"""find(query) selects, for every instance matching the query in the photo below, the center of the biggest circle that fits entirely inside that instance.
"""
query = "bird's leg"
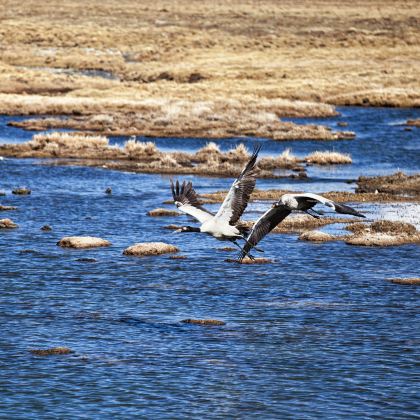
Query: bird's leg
(312, 213)
(256, 249)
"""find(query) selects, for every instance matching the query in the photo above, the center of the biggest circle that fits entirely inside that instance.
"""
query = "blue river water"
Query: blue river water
(319, 333)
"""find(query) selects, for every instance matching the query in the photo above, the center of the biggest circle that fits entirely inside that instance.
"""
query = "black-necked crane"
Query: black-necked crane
(224, 224)
(282, 208)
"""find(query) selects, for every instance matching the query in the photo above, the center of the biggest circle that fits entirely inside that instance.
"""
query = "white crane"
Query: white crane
(224, 224)
(282, 208)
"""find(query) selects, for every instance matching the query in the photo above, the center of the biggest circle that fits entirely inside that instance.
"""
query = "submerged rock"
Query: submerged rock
(88, 260)
(413, 280)
(213, 322)
(150, 248)
(178, 257)
(6, 208)
(316, 236)
(21, 191)
(108, 190)
(46, 228)
(163, 212)
(82, 242)
(7, 224)
(248, 260)
(52, 351)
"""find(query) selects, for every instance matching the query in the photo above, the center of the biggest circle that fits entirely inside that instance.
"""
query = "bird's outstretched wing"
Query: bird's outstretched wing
(265, 224)
(308, 200)
(238, 196)
(186, 200)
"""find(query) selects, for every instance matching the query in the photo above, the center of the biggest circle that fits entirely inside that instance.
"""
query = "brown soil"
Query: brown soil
(398, 183)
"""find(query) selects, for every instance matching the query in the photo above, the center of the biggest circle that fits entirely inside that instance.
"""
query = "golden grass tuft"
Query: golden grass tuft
(135, 149)
(7, 224)
(316, 236)
(82, 242)
(160, 212)
(204, 322)
(328, 158)
(411, 281)
(150, 248)
(51, 352)
(59, 140)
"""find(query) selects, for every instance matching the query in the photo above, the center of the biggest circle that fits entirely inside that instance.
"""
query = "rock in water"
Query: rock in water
(52, 351)
(203, 321)
(21, 191)
(108, 190)
(7, 224)
(6, 208)
(316, 236)
(82, 242)
(159, 212)
(46, 228)
(150, 248)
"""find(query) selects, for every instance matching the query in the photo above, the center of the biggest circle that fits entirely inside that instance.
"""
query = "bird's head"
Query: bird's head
(187, 229)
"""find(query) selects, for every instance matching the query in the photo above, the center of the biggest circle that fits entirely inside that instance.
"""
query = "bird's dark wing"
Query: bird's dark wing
(308, 200)
(238, 196)
(186, 200)
(265, 224)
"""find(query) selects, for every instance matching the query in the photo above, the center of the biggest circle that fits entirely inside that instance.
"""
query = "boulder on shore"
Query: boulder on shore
(150, 248)
(82, 242)
(7, 224)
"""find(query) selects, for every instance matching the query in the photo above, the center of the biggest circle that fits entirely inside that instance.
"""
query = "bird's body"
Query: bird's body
(224, 225)
(282, 208)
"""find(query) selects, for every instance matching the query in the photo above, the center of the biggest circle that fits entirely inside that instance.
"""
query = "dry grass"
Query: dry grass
(178, 118)
(339, 196)
(82, 242)
(383, 233)
(248, 261)
(211, 322)
(412, 280)
(414, 123)
(316, 236)
(137, 156)
(150, 248)
(163, 213)
(398, 183)
(51, 352)
(7, 224)
(206, 62)
(328, 158)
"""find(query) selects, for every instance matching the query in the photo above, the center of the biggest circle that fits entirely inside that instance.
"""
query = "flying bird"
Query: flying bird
(282, 208)
(224, 224)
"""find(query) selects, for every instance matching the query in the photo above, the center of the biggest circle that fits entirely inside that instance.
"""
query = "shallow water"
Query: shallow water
(319, 333)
